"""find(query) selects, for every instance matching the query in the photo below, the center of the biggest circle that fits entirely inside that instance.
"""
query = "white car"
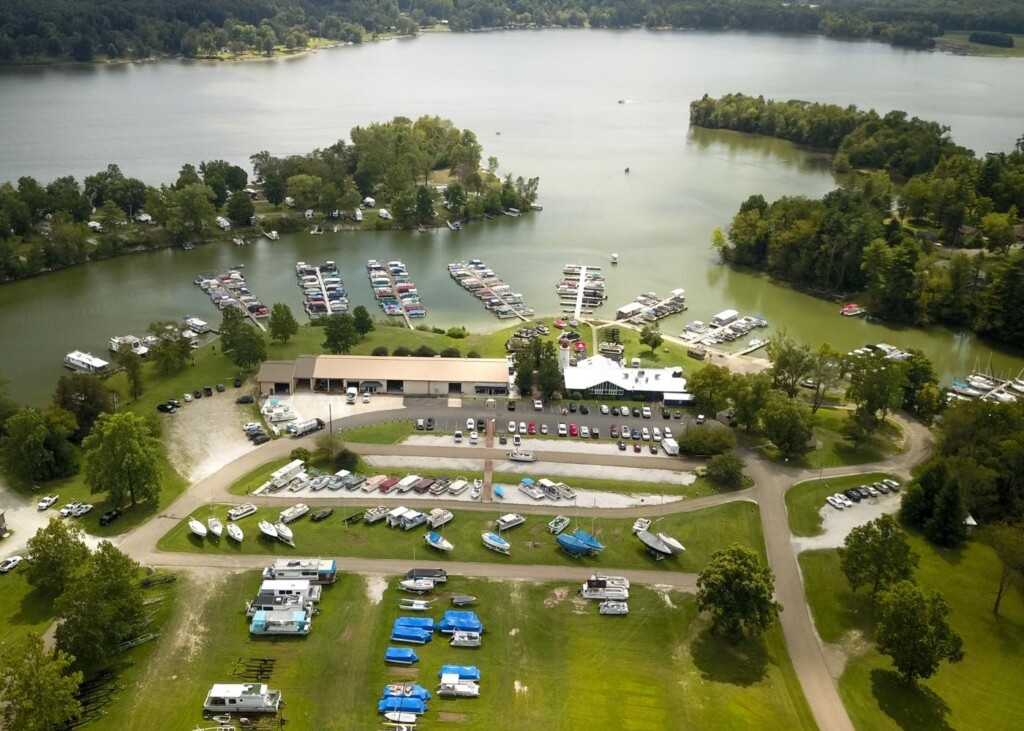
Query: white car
(48, 502)
(646, 412)
(843, 500)
(656, 434)
(187, 397)
(543, 428)
(870, 489)
(517, 441)
(70, 509)
(701, 418)
(605, 410)
(252, 426)
(538, 405)
(366, 397)
(831, 500)
(668, 433)
(522, 427)
(584, 432)
(645, 434)
(9, 564)
(892, 485)
(562, 429)
(473, 437)
(511, 427)
(470, 424)
(82, 510)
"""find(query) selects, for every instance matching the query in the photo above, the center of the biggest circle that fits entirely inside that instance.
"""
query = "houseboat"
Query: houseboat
(119, 343)
(313, 570)
(242, 698)
(286, 622)
(85, 362)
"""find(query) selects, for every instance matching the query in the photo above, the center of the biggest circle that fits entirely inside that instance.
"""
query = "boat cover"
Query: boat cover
(465, 672)
(402, 704)
(499, 491)
(425, 623)
(410, 634)
(654, 543)
(456, 620)
(583, 537)
(406, 691)
(572, 545)
(401, 655)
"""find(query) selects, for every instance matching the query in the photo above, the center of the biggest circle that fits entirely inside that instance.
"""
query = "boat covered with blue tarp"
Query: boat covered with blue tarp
(426, 623)
(462, 621)
(401, 704)
(401, 655)
(465, 672)
(572, 545)
(412, 635)
(583, 537)
(401, 690)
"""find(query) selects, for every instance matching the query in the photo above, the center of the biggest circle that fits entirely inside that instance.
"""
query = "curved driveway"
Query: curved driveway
(771, 482)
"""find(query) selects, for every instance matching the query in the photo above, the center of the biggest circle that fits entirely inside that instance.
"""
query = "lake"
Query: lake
(546, 103)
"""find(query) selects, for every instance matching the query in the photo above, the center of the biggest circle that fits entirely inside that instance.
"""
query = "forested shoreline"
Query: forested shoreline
(42, 31)
(863, 240)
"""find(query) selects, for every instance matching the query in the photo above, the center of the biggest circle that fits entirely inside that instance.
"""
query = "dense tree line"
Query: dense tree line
(40, 30)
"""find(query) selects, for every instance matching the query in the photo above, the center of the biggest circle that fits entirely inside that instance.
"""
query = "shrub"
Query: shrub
(346, 459)
(437, 330)
(451, 353)
(380, 351)
(457, 333)
(472, 354)
(402, 352)
(423, 328)
(424, 351)
(300, 453)
(703, 439)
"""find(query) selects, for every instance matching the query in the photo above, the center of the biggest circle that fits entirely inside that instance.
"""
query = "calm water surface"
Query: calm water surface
(553, 97)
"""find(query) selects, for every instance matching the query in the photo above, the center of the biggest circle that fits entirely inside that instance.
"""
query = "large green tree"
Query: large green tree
(710, 388)
(37, 691)
(737, 590)
(749, 395)
(947, 525)
(340, 334)
(787, 423)
(57, 553)
(650, 335)
(122, 458)
(282, 323)
(249, 349)
(232, 324)
(726, 470)
(912, 630)
(362, 320)
(35, 445)
(877, 555)
(101, 607)
(791, 362)
(86, 396)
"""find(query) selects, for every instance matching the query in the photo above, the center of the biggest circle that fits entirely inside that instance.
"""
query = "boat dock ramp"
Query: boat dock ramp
(725, 327)
(480, 281)
(323, 289)
(230, 290)
(649, 308)
(394, 290)
(582, 287)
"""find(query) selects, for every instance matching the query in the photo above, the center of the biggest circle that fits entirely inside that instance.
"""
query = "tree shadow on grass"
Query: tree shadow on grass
(721, 661)
(36, 607)
(910, 706)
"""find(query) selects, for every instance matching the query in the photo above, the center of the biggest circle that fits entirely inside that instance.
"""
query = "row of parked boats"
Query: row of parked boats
(322, 288)
(230, 290)
(989, 388)
(480, 280)
(394, 289)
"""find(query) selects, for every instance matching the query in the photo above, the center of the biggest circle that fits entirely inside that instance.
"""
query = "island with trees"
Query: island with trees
(425, 172)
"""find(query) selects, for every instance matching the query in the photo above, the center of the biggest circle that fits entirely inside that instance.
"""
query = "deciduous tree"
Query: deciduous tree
(650, 335)
(86, 397)
(791, 362)
(232, 324)
(35, 445)
(877, 555)
(37, 693)
(57, 553)
(122, 458)
(912, 630)
(250, 349)
(362, 321)
(340, 334)
(947, 525)
(787, 423)
(1008, 543)
(737, 590)
(710, 388)
(726, 470)
(282, 323)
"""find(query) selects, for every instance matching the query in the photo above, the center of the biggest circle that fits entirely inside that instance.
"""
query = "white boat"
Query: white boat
(375, 515)
(655, 546)
(416, 586)
(1017, 385)
(439, 516)
(234, 532)
(400, 717)
(641, 524)
(518, 455)
(414, 605)
(216, 527)
(599, 590)
(293, 513)
(267, 528)
(495, 542)
(531, 490)
(510, 520)
(451, 686)
(980, 381)
(436, 540)
(284, 533)
(197, 528)
(612, 606)
(476, 491)
(672, 543)
(241, 511)
(459, 486)
(272, 235)
(615, 258)
(465, 638)
(620, 581)
(559, 524)
(85, 362)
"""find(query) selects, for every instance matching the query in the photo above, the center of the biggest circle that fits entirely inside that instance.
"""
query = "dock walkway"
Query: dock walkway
(481, 281)
(395, 291)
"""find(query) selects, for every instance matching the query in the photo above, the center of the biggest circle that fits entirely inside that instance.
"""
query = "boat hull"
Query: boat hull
(495, 543)
(436, 541)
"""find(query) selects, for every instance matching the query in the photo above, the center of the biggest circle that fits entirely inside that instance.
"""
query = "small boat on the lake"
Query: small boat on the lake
(197, 528)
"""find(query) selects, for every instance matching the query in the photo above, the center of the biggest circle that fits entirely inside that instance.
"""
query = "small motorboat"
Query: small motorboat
(463, 600)
(272, 235)
(612, 606)
(215, 526)
(400, 717)
(416, 586)
(478, 486)
(414, 605)
(672, 543)
(465, 638)
(518, 455)
(197, 528)
(436, 540)
(641, 524)
(495, 542)
(267, 528)
(284, 533)
(615, 258)
(559, 524)
(234, 532)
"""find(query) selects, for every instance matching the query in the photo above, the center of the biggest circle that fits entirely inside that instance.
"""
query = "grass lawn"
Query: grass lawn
(804, 501)
(953, 40)
(702, 532)
(23, 609)
(982, 692)
(546, 659)
(390, 433)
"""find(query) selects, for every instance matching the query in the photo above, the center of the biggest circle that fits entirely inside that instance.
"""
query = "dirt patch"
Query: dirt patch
(521, 689)
(376, 585)
(556, 597)
(579, 605)
(534, 544)
(204, 435)
(346, 636)
(455, 717)
(352, 537)
(513, 632)
(403, 672)
(665, 592)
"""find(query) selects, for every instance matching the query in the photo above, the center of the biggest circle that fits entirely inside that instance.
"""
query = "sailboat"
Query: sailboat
(197, 528)
(216, 527)
(234, 532)
(268, 529)
(495, 542)
(672, 543)
(436, 540)
(284, 533)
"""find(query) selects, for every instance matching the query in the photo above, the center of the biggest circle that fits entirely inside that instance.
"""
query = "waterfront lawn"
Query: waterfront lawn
(805, 500)
(982, 692)
(702, 532)
(22, 608)
(953, 41)
(833, 448)
(546, 659)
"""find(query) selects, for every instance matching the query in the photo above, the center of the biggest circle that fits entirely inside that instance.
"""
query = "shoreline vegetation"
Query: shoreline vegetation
(401, 174)
(943, 247)
(34, 32)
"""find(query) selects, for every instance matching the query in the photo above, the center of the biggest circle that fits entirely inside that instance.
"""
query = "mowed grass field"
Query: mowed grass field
(548, 660)
(983, 692)
(832, 448)
(805, 500)
(702, 532)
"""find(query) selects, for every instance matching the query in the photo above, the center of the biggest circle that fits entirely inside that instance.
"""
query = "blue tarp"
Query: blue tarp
(426, 623)
(403, 705)
(399, 690)
(401, 655)
(588, 539)
(411, 634)
(572, 545)
(465, 672)
(460, 620)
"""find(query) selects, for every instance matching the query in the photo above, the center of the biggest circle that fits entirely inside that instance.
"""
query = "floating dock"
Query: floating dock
(394, 290)
(480, 281)
(230, 290)
(582, 287)
(704, 334)
(650, 308)
(323, 289)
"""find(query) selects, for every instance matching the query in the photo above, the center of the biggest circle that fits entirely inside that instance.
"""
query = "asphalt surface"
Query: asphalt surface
(771, 482)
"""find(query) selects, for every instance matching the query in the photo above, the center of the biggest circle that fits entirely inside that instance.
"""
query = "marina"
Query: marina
(581, 289)
(230, 290)
(322, 288)
(394, 290)
(480, 281)
(986, 387)
(649, 307)
(726, 326)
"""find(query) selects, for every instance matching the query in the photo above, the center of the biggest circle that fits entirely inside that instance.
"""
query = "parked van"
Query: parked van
(350, 394)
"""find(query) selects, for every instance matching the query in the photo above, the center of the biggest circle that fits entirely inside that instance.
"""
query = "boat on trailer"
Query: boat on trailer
(654, 545)
(234, 532)
(215, 526)
(436, 540)
(463, 600)
(672, 543)
(495, 542)
(267, 528)
(416, 586)
(284, 533)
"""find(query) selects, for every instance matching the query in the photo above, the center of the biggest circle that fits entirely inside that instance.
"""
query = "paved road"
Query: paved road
(771, 483)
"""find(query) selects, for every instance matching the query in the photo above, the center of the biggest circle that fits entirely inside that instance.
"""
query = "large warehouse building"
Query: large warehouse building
(409, 376)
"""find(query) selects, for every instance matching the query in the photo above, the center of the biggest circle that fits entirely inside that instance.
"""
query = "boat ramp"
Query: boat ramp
(230, 290)
(480, 281)
(323, 289)
(394, 290)
(650, 308)
(581, 289)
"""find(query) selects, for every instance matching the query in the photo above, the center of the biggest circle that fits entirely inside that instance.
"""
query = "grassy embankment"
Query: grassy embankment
(955, 41)
(546, 660)
(703, 532)
(982, 692)
(804, 501)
